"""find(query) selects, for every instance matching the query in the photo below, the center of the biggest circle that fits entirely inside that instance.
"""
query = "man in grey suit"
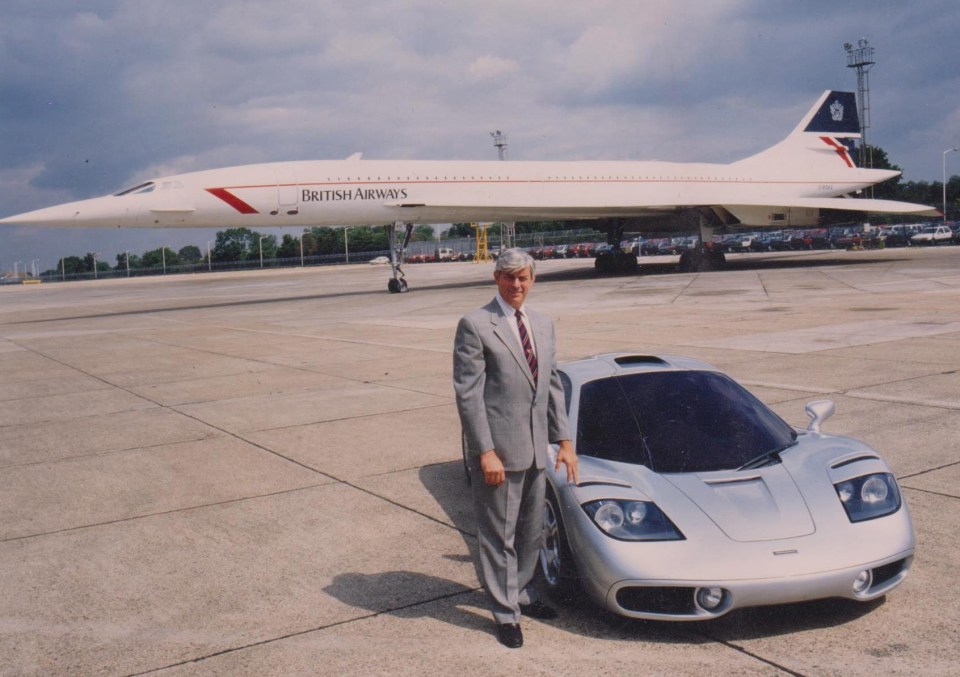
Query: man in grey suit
(511, 407)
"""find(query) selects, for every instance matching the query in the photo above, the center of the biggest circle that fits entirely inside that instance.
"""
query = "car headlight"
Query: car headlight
(869, 496)
(632, 520)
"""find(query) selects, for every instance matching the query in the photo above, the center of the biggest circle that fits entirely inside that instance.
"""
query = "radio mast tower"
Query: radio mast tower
(508, 231)
(500, 141)
(861, 58)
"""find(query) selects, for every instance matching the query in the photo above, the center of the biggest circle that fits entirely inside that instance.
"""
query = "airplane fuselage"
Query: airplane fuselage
(371, 192)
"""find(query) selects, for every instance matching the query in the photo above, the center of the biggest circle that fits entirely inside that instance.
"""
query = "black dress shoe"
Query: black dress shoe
(538, 610)
(510, 635)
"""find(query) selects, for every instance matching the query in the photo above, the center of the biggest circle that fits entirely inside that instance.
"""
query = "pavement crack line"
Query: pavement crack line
(300, 633)
(683, 291)
(172, 511)
(235, 436)
(751, 654)
(924, 472)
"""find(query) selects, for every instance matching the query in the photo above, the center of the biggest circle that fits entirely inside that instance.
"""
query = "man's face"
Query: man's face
(514, 287)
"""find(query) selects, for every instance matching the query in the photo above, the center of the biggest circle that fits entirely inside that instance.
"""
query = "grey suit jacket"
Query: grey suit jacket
(500, 406)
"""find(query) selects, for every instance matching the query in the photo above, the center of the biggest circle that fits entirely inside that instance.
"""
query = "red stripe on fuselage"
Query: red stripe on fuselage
(840, 148)
(232, 200)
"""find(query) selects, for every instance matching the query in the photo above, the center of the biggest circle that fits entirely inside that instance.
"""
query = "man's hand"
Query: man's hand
(492, 467)
(568, 457)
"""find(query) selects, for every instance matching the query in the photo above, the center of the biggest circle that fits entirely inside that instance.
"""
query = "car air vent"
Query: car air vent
(865, 457)
(604, 483)
(888, 571)
(625, 360)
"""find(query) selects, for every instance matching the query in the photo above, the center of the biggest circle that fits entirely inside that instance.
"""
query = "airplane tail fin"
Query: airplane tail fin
(835, 113)
(823, 138)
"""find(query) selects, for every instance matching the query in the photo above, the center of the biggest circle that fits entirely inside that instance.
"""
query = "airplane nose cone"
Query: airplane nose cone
(62, 215)
(101, 212)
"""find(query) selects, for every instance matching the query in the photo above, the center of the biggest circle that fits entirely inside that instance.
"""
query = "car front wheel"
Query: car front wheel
(556, 560)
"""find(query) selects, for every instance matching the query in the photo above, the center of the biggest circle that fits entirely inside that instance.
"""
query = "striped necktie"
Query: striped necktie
(527, 345)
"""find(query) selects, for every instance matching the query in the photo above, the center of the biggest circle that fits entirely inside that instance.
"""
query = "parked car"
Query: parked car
(695, 499)
(379, 260)
(765, 241)
(671, 245)
(811, 238)
(651, 246)
(847, 237)
(933, 235)
(742, 242)
(781, 243)
(893, 236)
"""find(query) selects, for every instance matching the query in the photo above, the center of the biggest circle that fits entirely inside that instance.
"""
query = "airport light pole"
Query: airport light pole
(35, 268)
(948, 150)
(261, 249)
(346, 244)
(94, 265)
(127, 260)
(209, 264)
(301, 249)
(163, 257)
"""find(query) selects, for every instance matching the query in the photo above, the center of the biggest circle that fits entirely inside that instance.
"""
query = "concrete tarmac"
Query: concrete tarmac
(259, 473)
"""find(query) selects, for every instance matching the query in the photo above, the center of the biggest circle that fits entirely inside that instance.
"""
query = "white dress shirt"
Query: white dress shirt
(510, 312)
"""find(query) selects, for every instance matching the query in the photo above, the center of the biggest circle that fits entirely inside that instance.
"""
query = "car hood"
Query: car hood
(764, 504)
(757, 505)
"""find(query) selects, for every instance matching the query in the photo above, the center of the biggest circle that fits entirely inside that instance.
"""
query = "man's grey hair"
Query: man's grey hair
(514, 260)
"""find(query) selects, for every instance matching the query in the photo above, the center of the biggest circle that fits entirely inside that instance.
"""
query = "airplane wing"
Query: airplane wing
(527, 212)
(868, 205)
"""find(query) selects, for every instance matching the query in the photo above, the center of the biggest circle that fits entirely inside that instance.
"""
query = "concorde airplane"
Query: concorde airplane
(786, 185)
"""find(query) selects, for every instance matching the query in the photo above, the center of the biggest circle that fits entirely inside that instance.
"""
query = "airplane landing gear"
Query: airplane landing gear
(616, 262)
(699, 261)
(396, 284)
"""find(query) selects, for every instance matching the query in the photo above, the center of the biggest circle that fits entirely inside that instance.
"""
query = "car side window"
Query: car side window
(606, 426)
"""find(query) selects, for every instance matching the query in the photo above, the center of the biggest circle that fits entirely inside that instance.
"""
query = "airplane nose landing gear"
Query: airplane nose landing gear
(396, 284)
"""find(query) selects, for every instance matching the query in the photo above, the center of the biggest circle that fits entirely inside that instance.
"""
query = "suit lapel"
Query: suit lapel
(504, 332)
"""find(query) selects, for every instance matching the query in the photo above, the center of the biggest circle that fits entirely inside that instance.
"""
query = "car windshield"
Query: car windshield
(677, 421)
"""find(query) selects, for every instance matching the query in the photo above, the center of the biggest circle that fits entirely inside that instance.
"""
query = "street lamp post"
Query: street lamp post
(346, 244)
(127, 258)
(209, 264)
(35, 268)
(163, 256)
(301, 250)
(94, 265)
(948, 150)
(261, 249)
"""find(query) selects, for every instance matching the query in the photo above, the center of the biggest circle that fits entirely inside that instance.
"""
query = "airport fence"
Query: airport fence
(464, 247)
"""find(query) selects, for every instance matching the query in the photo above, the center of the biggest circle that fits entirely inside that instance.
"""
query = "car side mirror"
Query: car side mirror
(819, 411)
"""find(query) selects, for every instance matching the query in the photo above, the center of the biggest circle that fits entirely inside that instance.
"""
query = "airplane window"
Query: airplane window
(139, 188)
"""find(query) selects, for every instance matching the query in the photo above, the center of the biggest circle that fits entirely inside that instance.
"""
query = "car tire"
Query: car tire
(557, 567)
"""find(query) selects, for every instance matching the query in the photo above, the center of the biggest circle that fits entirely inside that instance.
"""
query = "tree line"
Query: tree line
(236, 245)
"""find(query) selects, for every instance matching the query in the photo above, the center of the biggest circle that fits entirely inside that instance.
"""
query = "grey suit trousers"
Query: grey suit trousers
(510, 531)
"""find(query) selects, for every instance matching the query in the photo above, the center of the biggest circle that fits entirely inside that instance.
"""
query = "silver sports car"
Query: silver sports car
(695, 498)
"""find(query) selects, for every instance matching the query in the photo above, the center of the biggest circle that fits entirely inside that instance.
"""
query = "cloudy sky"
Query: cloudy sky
(98, 94)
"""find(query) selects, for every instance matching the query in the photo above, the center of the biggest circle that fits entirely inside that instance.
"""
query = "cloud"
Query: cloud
(487, 68)
(100, 95)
